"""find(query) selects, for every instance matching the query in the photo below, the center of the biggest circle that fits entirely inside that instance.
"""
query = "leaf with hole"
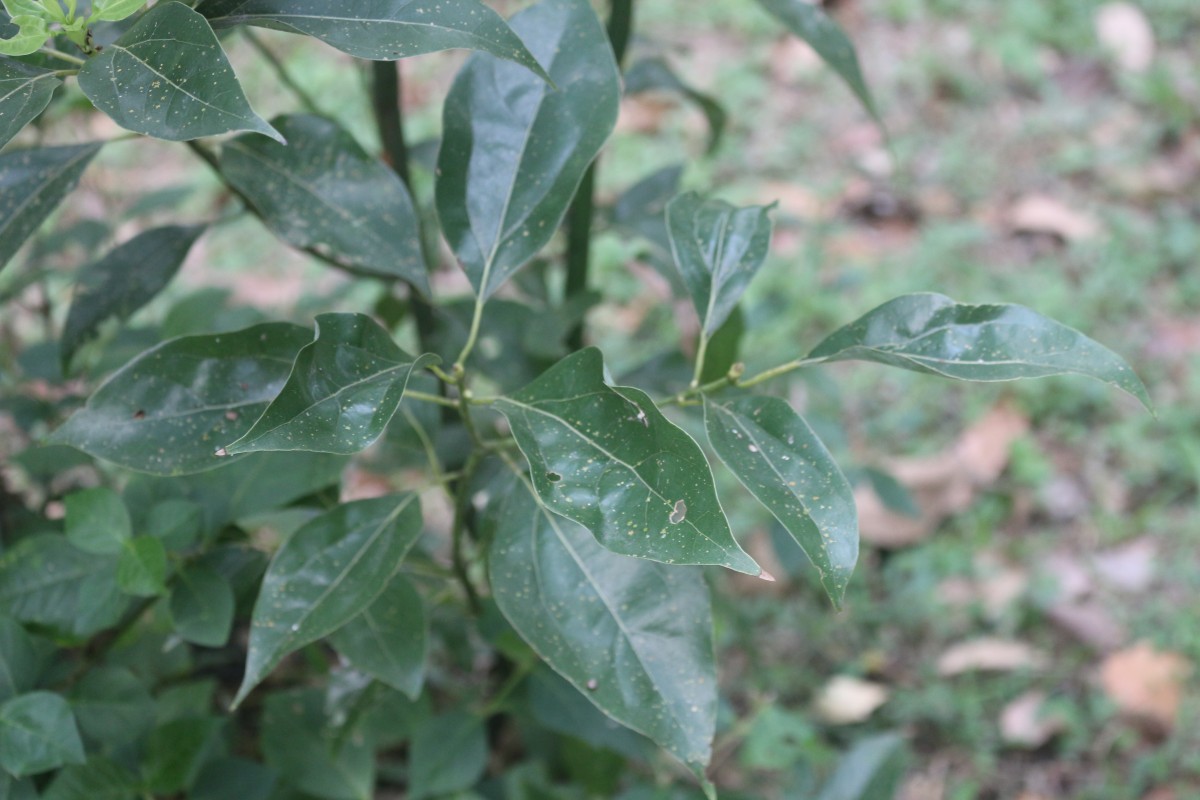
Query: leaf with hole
(321, 192)
(778, 458)
(344, 389)
(32, 184)
(607, 458)
(25, 91)
(168, 77)
(634, 637)
(810, 22)
(167, 411)
(124, 280)
(388, 640)
(325, 574)
(515, 148)
(382, 30)
(718, 248)
(933, 334)
(32, 33)
(38, 734)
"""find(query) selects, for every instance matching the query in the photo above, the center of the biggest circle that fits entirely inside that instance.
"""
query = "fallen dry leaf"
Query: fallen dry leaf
(1128, 568)
(1036, 213)
(989, 654)
(1024, 722)
(845, 700)
(758, 545)
(1090, 622)
(942, 484)
(1123, 30)
(1146, 684)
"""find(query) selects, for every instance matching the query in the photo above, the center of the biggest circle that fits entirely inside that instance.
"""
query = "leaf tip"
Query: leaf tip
(766, 576)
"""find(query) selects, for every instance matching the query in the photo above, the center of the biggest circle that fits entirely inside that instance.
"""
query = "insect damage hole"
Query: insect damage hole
(679, 514)
(553, 477)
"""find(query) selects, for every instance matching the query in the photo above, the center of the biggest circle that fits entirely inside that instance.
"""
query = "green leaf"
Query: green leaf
(168, 77)
(633, 637)
(388, 640)
(344, 389)
(933, 334)
(382, 30)
(323, 193)
(47, 581)
(177, 523)
(298, 743)
(125, 280)
(37, 734)
(228, 778)
(872, 768)
(13, 789)
(810, 22)
(448, 755)
(142, 568)
(113, 707)
(98, 779)
(32, 184)
(515, 148)
(17, 8)
(778, 458)
(327, 573)
(718, 248)
(19, 660)
(167, 411)
(32, 33)
(97, 521)
(114, 10)
(25, 91)
(202, 606)
(608, 459)
(178, 750)
(654, 74)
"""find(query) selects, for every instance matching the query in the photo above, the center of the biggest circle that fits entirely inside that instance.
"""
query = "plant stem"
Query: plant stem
(462, 507)
(389, 122)
(775, 372)
(472, 335)
(519, 673)
(701, 352)
(734, 378)
(431, 398)
(281, 72)
(70, 59)
(581, 214)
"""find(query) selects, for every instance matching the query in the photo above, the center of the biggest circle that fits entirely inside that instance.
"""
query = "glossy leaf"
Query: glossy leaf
(45, 580)
(718, 248)
(608, 459)
(97, 521)
(167, 411)
(323, 193)
(778, 458)
(810, 22)
(388, 640)
(327, 573)
(654, 74)
(19, 660)
(25, 91)
(142, 568)
(633, 637)
(32, 184)
(113, 707)
(297, 742)
(344, 389)
(125, 280)
(202, 606)
(515, 148)
(449, 753)
(168, 77)
(933, 334)
(382, 30)
(37, 734)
